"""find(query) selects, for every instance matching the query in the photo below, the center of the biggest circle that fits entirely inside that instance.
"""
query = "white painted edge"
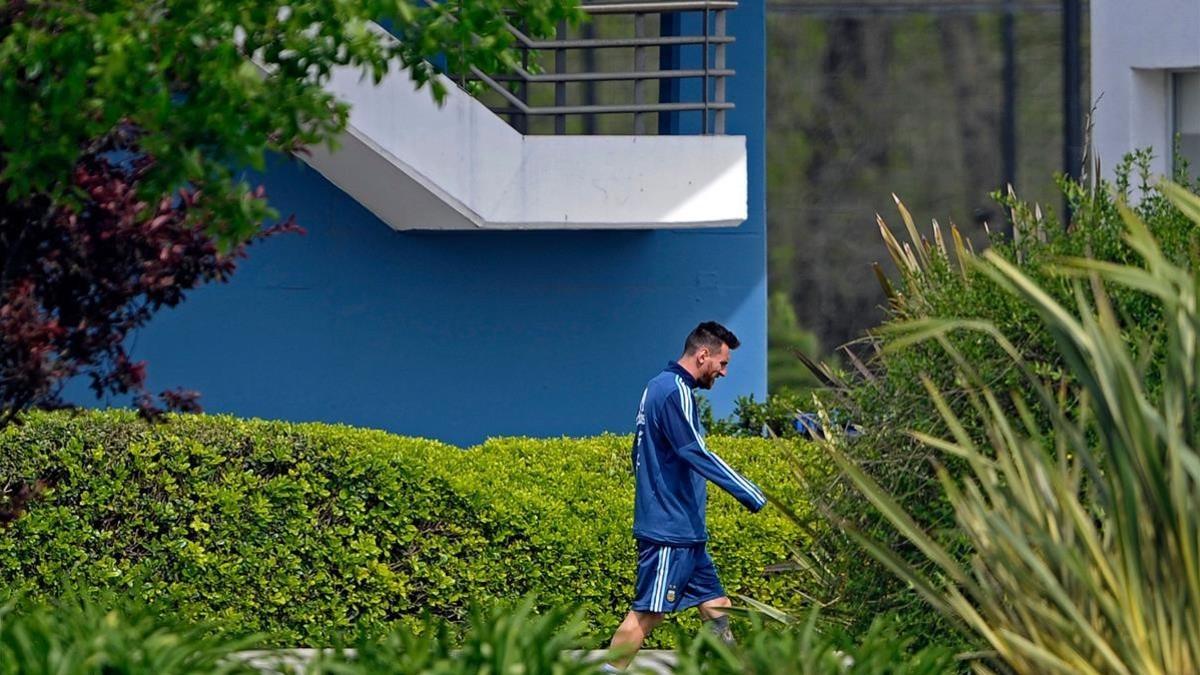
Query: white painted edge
(488, 176)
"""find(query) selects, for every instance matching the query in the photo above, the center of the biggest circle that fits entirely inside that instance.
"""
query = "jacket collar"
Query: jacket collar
(674, 367)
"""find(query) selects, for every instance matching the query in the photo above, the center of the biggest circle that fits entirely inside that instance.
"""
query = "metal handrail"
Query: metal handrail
(656, 7)
(602, 43)
(614, 75)
(712, 40)
(619, 108)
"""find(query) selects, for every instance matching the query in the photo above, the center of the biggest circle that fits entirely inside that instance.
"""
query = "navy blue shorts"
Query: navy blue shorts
(674, 578)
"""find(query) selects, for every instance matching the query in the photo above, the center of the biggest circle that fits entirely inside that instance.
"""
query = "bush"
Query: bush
(113, 636)
(76, 637)
(504, 639)
(883, 649)
(775, 416)
(1081, 529)
(304, 531)
(937, 282)
(118, 636)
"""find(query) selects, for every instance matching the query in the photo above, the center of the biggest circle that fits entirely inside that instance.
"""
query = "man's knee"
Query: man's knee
(648, 620)
(716, 607)
(639, 624)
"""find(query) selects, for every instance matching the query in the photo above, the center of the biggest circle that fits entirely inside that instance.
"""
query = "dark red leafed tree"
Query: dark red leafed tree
(78, 279)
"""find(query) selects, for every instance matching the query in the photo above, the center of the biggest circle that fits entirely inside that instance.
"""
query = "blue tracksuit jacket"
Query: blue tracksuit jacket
(672, 465)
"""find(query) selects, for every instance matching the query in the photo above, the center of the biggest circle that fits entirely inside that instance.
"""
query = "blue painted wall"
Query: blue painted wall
(461, 336)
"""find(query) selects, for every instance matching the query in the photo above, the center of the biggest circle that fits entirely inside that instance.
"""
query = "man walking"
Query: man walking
(672, 466)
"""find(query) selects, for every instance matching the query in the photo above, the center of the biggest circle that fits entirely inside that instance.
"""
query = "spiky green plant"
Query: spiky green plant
(795, 647)
(500, 641)
(1084, 534)
(76, 637)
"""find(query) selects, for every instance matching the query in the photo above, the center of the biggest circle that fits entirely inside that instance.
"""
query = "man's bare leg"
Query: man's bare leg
(631, 634)
(716, 618)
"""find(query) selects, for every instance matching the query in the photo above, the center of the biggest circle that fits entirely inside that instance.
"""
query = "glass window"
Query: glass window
(1186, 116)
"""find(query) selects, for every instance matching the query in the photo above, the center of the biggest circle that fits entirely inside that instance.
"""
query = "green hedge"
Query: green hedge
(308, 531)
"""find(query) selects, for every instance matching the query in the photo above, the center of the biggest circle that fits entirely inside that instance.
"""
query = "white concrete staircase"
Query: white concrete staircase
(459, 166)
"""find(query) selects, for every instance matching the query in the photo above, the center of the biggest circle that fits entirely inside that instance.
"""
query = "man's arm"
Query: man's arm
(678, 423)
(638, 432)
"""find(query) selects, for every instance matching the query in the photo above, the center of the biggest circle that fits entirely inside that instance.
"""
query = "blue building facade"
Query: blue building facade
(464, 335)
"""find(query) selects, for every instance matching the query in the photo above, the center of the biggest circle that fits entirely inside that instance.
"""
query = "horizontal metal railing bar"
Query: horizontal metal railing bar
(604, 76)
(847, 9)
(520, 109)
(658, 7)
(584, 4)
(713, 4)
(611, 109)
(500, 89)
(602, 43)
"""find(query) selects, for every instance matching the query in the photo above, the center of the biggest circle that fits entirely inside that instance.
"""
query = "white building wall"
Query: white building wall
(1136, 45)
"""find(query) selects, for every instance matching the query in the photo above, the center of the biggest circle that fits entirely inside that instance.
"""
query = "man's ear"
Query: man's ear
(702, 354)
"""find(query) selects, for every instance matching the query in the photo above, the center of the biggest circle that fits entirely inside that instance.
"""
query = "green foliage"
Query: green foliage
(860, 109)
(304, 531)
(938, 279)
(502, 640)
(1081, 528)
(809, 650)
(110, 636)
(772, 418)
(751, 418)
(122, 637)
(181, 74)
(787, 374)
(74, 637)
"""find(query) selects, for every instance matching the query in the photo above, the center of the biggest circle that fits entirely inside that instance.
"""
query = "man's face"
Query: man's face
(713, 364)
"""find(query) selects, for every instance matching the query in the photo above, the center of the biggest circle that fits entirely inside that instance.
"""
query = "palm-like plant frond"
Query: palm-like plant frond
(1084, 535)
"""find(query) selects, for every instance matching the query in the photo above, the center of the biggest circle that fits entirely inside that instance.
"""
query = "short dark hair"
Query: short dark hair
(712, 335)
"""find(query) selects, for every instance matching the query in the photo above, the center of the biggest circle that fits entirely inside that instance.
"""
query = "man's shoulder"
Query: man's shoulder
(664, 385)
